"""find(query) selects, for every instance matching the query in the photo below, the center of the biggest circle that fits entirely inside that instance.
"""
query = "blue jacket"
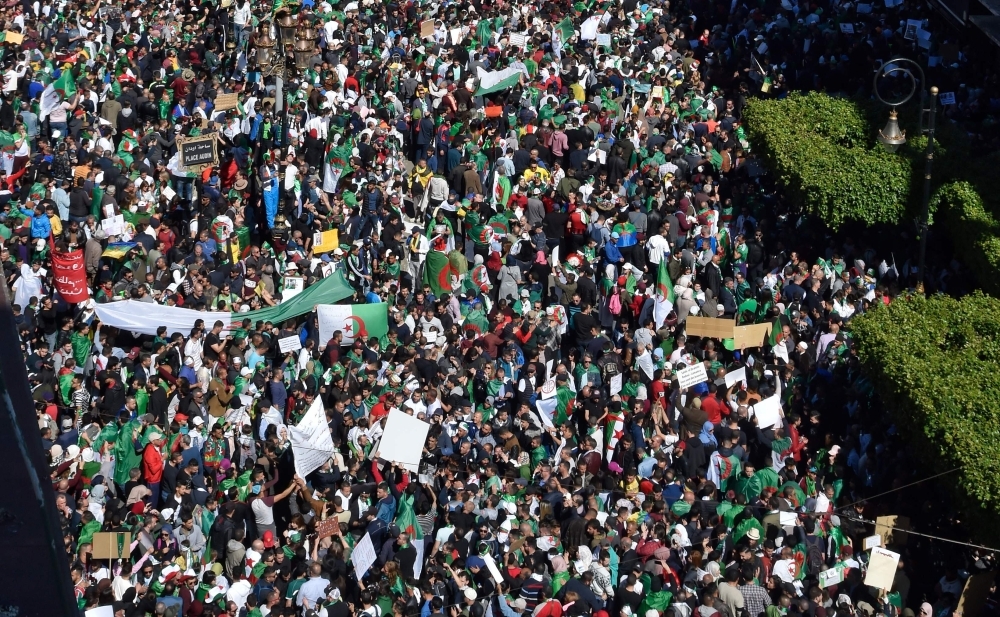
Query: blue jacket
(611, 253)
(40, 225)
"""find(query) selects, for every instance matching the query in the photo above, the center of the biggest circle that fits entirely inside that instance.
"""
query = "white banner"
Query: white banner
(146, 317)
(312, 444)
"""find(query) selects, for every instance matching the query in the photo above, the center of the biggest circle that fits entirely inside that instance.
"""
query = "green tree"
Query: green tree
(822, 150)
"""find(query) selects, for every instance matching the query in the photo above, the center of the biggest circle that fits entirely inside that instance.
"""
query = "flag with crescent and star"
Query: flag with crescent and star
(354, 321)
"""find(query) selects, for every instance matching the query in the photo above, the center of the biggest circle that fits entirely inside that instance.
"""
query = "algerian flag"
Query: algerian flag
(664, 294)
(495, 81)
(354, 321)
(55, 93)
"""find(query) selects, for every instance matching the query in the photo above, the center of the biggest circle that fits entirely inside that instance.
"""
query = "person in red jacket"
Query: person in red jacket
(152, 466)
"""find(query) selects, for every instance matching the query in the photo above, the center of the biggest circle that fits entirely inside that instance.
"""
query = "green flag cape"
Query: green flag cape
(406, 519)
(126, 458)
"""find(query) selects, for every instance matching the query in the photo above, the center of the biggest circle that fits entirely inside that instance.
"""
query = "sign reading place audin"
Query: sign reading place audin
(199, 151)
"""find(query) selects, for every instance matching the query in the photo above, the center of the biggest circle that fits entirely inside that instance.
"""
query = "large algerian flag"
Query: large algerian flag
(664, 294)
(501, 190)
(55, 93)
(355, 321)
(495, 81)
(145, 318)
(613, 431)
(438, 272)
(128, 143)
(406, 518)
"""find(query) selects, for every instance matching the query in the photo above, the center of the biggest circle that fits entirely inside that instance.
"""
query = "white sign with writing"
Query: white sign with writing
(692, 375)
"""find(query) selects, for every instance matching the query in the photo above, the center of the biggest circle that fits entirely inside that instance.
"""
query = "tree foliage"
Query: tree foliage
(974, 230)
(822, 150)
(936, 363)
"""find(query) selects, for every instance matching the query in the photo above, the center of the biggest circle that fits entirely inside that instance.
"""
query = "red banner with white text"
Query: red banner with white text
(70, 276)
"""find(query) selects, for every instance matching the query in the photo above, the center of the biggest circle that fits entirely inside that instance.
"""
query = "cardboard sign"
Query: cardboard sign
(882, 568)
(709, 327)
(975, 593)
(327, 528)
(750, 336)
(426, 28)
(892, 529)
(289, 344)
(947, 98)
(692, 375)
(14, 38)
(873, 542)
(363, 556)
(227, 101)
(110, 545)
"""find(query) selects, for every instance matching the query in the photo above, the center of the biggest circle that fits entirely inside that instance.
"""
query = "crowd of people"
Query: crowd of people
(540, 195)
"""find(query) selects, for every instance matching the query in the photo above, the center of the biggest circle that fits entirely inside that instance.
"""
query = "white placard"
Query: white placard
(616, 384)
(456, 35)
(363, 556)
(873, 542)
(289, 343)
(403, 439)
(833, 576)
(517, 40)
(114, 226)
(294, 285)
(736, 376)
(787, 519)
(882, 568)
(847, 28)
(549, 388)
(418, 563)
(311, 442)
(781, 352)
(604, 39)
(947, 98)
(491, 565)
(692, 375)
(768, 412)
(169, 193)
(100, 611)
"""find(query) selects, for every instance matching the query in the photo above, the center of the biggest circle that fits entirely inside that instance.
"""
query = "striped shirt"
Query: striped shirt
(755, 599)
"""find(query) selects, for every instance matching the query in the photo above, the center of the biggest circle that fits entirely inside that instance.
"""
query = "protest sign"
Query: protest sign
(227, 101)
(363, 556)
(325, 241)
(830, 577)
(892, 529)
(768, 412)
(709, 327)
(739, 375)
(750, 336)
(403, 439)
(616, 384)
(881, 568)
(692, 375)
(289, 344)
(70, 276)
(312, 444)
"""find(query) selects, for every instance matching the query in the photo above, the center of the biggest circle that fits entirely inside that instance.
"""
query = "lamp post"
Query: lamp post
(891, 137)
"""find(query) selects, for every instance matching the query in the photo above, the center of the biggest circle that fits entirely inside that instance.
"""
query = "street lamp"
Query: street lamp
(891, 137)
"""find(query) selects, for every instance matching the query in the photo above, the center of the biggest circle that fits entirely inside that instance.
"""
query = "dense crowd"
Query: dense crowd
(533, 199)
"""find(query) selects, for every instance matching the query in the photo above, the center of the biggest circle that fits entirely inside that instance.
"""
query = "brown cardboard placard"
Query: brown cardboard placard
(14, 38)
(426, 28)
(892, 529)
(327, 528)
(110, 545)
(975, 593)
(750, 336)
(227, 101)
(710, 327)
